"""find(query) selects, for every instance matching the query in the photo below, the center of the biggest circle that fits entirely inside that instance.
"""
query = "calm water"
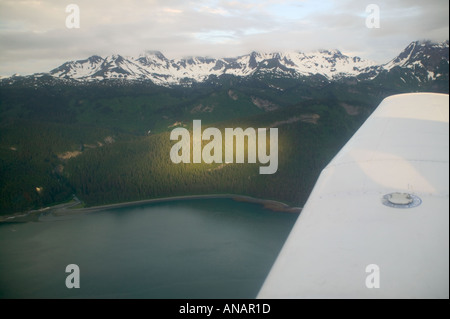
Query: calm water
(209, 248)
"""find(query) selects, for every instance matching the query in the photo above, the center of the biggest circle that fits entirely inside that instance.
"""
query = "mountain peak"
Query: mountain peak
(424, 54)
(95, 58)
(331, 52)
(153, 53)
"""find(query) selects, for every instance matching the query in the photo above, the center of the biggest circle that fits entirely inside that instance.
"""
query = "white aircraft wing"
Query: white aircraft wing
(376, 224)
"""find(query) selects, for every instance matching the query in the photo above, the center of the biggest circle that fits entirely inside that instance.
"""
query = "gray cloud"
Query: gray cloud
(33, 36)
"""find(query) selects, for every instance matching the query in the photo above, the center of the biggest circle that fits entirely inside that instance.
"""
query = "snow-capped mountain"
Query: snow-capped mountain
(419, 62)
(427, 60)
(156, 67)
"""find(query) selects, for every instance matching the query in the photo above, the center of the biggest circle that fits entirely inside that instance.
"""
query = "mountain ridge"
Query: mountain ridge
(428, 61)
(156, 67)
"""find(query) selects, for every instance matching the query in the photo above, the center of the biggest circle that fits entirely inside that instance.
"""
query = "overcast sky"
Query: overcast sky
(34, 36)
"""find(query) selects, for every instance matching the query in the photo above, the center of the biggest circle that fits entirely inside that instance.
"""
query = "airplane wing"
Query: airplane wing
(376, 224)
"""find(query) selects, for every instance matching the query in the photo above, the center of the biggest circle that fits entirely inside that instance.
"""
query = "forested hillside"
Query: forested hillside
(109, 141)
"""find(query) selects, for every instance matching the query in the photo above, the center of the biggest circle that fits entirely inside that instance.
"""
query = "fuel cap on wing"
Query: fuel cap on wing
(401, 200)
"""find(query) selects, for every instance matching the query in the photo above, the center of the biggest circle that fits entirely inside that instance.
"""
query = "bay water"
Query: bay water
(193, 248)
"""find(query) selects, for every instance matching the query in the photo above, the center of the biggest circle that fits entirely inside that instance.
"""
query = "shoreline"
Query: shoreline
(66, 208)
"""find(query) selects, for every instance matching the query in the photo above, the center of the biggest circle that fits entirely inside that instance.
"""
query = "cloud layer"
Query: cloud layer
(34, 38)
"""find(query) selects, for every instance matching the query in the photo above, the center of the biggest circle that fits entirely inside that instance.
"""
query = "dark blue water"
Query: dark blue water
(208, 248)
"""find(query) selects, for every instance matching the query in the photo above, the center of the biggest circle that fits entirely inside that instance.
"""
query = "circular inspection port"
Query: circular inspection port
(401, 200)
